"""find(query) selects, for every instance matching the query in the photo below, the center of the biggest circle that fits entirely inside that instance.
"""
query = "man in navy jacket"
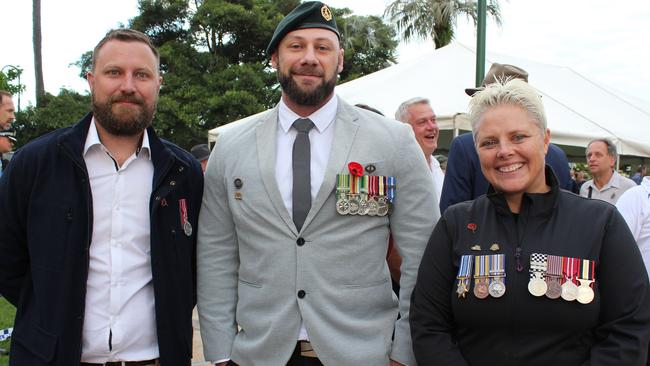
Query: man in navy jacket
(98, 237)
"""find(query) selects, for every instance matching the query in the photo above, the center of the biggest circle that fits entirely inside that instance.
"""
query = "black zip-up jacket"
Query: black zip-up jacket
(519, 328)
(45, 235)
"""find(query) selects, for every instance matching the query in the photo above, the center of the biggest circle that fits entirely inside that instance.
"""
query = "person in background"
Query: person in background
(607, 184)
(418, 113)
(98, 236)
(641, 171)
(7, 141)
(201, 153)
(463, 178)
(7, 110)
(294, 225)
(529, 274)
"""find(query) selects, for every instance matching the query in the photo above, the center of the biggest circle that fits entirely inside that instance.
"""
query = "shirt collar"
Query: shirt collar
(92, 139)
(322, 118)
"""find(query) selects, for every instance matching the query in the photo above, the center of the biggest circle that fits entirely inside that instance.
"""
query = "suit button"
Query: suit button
(300, 242)
(301, 294)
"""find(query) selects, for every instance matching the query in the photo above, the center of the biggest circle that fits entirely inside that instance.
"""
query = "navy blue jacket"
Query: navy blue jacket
(465, 181)
(45, 235)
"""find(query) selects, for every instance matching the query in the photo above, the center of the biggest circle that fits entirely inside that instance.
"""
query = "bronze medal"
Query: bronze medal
(481, 288)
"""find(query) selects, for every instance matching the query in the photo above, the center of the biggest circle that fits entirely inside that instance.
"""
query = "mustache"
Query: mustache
(127, 98)
(307, 70)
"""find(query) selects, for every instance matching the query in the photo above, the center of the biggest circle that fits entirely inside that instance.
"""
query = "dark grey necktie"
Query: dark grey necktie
(301, 172)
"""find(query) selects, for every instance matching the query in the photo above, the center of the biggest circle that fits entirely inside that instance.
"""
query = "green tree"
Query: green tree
(57, 111)
(435, 18)
(9, 76)
(369, 44)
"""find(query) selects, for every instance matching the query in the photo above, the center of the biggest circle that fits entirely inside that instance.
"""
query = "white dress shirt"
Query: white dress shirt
(320, 139)
(438, 176)
(119, 323)
(634, 205)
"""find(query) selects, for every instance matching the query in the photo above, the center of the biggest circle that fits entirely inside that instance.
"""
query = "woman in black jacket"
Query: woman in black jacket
(528, 274)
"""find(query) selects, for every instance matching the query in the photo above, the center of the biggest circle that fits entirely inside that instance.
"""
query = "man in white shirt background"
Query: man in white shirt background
(418, 113)
(607, 184)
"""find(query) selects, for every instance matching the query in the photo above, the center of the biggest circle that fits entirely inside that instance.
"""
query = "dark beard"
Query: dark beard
(307, 98)
(125, 123)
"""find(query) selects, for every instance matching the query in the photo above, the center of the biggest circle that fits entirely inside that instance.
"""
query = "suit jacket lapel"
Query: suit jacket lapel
(266, 140)
(345, 130)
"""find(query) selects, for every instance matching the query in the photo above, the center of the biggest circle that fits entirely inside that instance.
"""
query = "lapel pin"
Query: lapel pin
(475, 247)
(238, 195)
(238, 183)
(495, 247)
(472, 227)
(370, 168)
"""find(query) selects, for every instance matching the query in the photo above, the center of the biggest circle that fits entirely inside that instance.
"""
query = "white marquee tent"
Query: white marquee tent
(578, 109)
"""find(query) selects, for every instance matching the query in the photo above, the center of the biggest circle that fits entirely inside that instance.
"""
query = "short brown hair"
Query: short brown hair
(125, 35)
(4, 93)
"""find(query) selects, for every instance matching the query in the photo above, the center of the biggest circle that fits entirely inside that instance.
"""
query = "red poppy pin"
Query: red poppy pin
(471, 226)
(355, 168)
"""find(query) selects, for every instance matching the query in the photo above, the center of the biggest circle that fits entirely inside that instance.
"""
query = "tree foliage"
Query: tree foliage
(9, 79)
(435, 18)
(56, 111)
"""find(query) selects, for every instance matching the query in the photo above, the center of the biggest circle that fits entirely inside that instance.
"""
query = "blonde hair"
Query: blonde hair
(514, 92)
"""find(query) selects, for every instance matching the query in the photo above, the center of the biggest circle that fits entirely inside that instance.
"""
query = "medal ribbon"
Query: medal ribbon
(364, 185)
(354, 186)
(391, 189)
(382, 185)
(538, 265)
(497, 265)
(587, 269)
(465, 269)
(570, 269)
(481, 265)
(371, 186)
(182, 205)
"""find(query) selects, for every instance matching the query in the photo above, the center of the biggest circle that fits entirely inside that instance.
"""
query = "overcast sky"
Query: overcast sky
(602, 40)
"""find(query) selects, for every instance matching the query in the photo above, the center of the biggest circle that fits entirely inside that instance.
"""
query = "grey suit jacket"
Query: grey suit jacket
(250, 267)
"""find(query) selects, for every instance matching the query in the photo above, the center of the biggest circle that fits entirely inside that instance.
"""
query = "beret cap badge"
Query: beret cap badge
(326, 13)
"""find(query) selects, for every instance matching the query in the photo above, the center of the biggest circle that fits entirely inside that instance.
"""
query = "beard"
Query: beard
(306, 97)
(124, 121)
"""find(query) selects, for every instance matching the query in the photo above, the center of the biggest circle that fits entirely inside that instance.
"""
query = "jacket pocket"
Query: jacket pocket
(36, 340)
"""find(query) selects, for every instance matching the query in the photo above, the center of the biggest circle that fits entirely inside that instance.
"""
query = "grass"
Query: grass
(7, 313)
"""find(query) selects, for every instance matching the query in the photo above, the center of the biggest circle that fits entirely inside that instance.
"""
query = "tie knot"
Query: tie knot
(303, 125)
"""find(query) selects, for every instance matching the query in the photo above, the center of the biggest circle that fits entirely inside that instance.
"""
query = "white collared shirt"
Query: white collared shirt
(320, 140)
(438, 176)
(611, 191)
(634, 205)
(119, 290)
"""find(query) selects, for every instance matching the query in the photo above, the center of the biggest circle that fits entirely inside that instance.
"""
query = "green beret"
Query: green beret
(311, 14)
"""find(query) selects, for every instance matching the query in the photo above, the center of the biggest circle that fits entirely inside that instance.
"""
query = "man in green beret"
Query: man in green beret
(297, 209)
